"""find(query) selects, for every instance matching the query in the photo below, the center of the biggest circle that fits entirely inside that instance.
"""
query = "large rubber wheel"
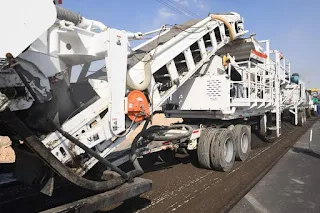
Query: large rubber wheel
(263, 126)
(242, 138)
(223, 151)
(293, 119)
(304, 117)
(301, 118)
(203, 149)
(308, 112)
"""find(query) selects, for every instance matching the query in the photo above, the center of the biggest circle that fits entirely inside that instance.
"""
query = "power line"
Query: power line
(179, 5)
(174, 9)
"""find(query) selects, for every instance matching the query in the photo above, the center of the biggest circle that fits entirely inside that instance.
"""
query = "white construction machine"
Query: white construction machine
(296, 102)
(203, 71)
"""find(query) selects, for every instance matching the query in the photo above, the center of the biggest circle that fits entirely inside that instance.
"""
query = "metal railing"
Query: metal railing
(257, 83)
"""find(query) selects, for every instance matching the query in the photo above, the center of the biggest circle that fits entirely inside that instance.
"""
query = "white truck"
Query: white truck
(203, 71)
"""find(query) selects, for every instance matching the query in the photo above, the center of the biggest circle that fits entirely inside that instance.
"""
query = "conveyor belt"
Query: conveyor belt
(140, 53)
(175, 30)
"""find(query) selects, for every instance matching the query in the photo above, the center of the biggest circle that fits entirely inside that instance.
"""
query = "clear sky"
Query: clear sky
(292, 26)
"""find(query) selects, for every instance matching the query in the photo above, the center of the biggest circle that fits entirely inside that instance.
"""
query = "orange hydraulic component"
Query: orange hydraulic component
(138, 108)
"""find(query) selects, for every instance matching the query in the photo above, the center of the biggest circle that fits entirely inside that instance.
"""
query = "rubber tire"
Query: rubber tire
(304, 117)
(217, 158)
(238, 131)
(301, 120)
(308, 112)
(293, 119)
(262, 127)
(203, 149)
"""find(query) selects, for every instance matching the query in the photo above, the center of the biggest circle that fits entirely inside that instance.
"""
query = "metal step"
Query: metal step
(273, 128)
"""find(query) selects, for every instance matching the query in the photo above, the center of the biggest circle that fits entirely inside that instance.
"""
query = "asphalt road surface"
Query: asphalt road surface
(179, 185)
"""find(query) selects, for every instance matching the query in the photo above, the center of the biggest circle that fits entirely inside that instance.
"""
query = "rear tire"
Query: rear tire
(222, 151)
(203, 149)
(300, 119)
(263, 126)
(242, 138)
(308, 112)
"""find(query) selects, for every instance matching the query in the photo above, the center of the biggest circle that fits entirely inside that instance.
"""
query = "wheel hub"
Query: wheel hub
(244, 143)
(228, 150)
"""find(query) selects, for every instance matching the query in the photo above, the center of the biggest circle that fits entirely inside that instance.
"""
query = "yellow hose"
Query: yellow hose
(225, 60)
(228, 25)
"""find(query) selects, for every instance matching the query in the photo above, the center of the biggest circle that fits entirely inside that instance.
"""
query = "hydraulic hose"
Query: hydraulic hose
(150, 135)
(91, 152)
(134, 145)
(67, 15)
(77, 19)
(228, 25)
(147, 76)
(12, 121)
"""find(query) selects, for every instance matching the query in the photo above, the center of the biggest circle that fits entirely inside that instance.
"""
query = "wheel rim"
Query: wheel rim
(228, 150)
(244, 143)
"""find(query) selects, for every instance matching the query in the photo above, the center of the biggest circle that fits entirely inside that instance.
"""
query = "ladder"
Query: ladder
(278, 101)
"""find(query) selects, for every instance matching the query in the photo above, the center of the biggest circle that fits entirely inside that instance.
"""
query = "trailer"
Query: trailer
(297, 103)
(314, 93)
(205, 71)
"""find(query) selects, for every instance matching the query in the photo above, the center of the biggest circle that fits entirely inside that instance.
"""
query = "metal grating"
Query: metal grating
(214, 88)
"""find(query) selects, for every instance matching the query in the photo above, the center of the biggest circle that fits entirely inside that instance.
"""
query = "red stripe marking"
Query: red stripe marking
(166, 142)
(262, 55)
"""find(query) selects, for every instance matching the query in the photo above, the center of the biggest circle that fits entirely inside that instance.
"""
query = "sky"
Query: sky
(292, 26)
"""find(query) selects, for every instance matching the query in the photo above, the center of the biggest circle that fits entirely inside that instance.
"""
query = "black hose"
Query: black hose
(102, 160)
(150, 135)
(134, 145)
(67, 15)
(11, 120)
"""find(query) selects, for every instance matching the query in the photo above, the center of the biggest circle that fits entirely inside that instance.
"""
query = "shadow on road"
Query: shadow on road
(306, 152)
(126, 206)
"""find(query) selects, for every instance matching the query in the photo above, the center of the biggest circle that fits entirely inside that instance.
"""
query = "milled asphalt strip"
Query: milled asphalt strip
(174, 193)
(247, 189)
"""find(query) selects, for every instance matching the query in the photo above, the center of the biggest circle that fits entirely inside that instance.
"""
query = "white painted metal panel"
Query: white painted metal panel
(203, 93)
(23, 22)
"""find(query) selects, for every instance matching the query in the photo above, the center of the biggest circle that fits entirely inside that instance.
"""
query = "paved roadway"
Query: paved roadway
(293, 185)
